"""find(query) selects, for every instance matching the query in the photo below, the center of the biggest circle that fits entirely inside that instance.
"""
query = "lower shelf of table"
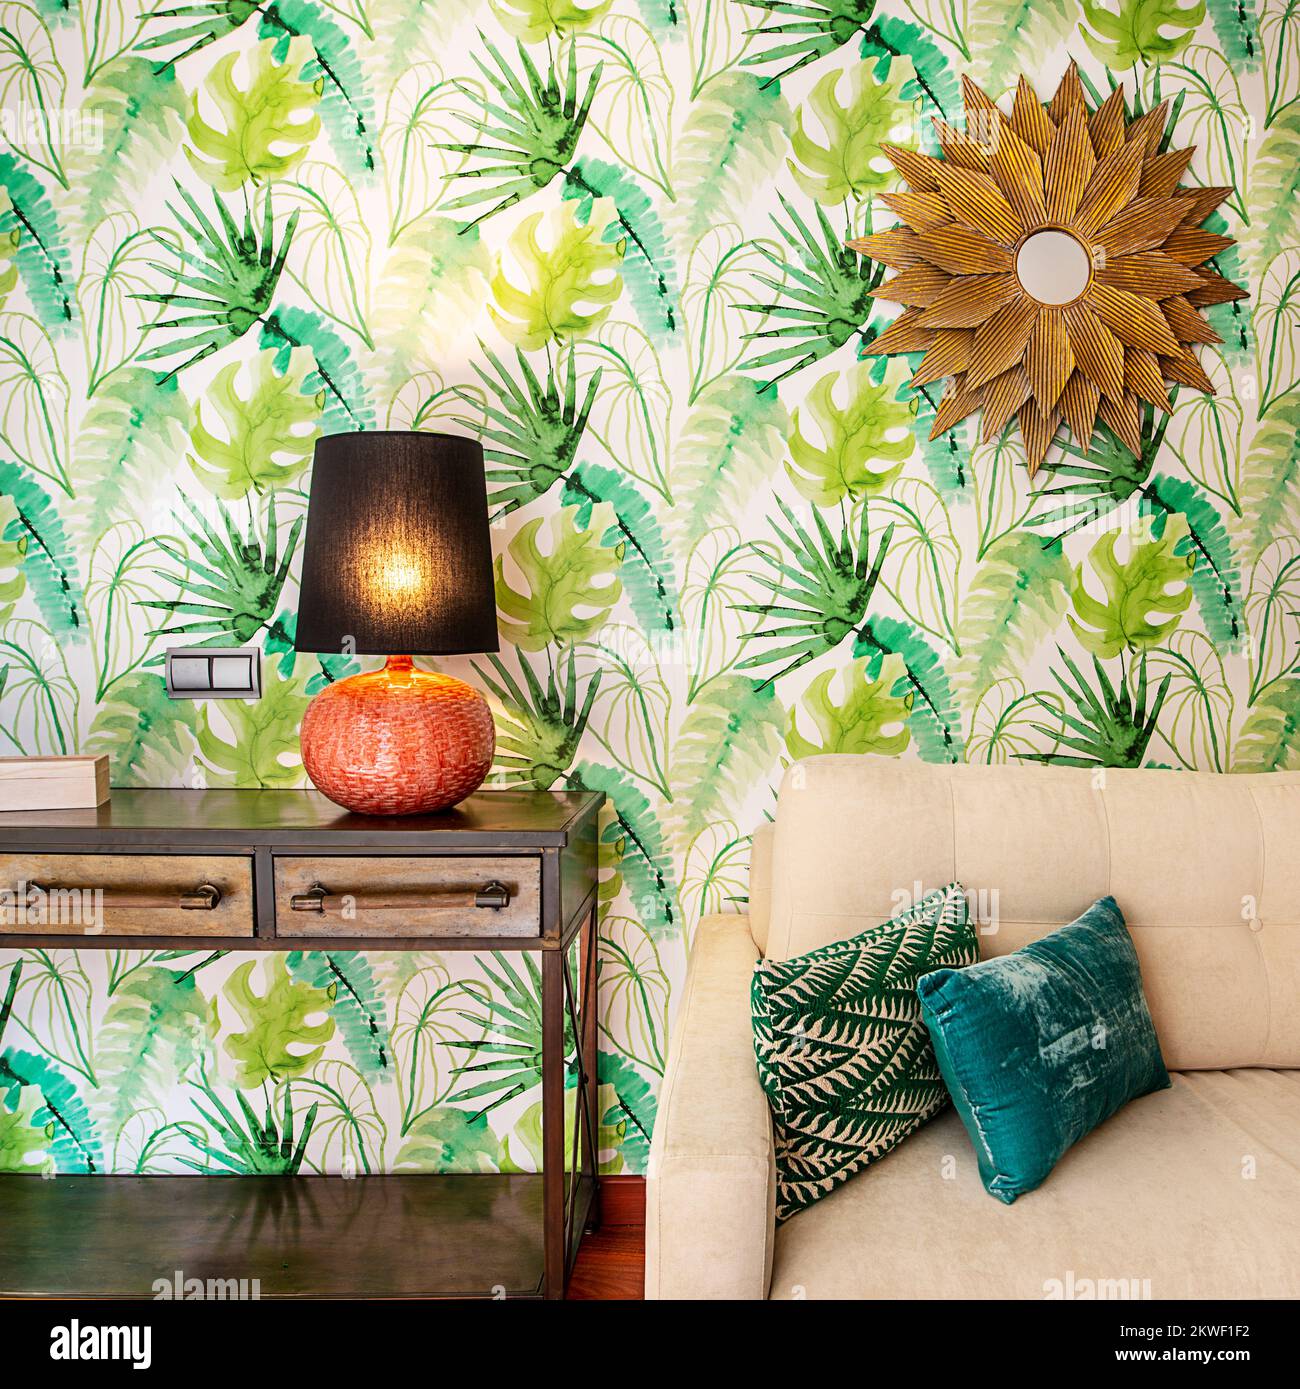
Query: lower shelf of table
(476, 1235)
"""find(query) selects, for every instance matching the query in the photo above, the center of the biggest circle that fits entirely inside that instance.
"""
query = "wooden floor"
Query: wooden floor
(611, 1261)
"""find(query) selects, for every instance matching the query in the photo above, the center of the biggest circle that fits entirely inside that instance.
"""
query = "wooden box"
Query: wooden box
(53, 783)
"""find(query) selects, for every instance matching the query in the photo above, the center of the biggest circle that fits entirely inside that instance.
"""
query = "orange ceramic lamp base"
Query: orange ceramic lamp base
(398, 741)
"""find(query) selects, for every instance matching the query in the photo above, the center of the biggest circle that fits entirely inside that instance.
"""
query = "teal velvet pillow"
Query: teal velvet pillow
(841, 1049)
(1039, 1047)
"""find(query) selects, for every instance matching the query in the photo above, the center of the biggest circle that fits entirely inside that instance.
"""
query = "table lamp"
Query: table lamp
(397, 562)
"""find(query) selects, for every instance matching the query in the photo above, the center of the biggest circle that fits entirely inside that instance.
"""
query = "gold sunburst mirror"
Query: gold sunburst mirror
(1050, 266)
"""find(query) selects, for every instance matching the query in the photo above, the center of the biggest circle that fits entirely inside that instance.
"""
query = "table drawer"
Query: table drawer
(403, 897)
(126, 895)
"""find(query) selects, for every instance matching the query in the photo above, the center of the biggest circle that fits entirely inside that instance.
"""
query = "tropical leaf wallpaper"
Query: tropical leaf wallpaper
(608, 238)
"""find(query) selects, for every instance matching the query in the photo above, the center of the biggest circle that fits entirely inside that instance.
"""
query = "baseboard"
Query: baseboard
(622, 1201)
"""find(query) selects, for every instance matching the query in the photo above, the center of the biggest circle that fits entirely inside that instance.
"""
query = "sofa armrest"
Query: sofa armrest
(711, 1187)
(760, 882)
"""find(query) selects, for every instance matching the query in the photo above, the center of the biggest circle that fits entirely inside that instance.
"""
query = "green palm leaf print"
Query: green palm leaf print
(1103, 473)
(508, 1050)
(811, 32)
(530, 134)
(533, 430)
(825, 296)
(254, 1147)
(210, 22)
(233, 277)
(1109, 727)
(234, 585)
(548, 723)
(822, 598)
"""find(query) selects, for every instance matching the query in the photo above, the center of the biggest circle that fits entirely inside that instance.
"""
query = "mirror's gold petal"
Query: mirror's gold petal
(904, 334)
(1038, 429)
(1079, 401)
(959, 148)
(1149, 128)
(1125, 417)
(1106, 125)
(917, 169)
(1001, 342)
(1160, 175)
(918, 286)
(976, 200)
(1198, 203)
(1068, 167)
(1187, 324)
(1214, 289)
(1194, 245)
(918, 210)
(1135, 321)
(1149, 273)
(1068, 96)
(958, 403)
(963, 251)
(1003, 396)
(1113, 185)
(897, 248)
(1141, 226)
(1185, 370)
(1142, 377)
(1019, 173)
(983, 119)
(1049, 359)
(1030, 120)
(970, 300)
(948, 355)
(1098, 353)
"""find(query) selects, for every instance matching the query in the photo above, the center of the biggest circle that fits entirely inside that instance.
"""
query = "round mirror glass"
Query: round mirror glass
(1052, 267)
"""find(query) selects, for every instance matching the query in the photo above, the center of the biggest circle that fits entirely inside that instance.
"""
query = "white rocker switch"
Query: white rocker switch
(214, 672)
(231, 673)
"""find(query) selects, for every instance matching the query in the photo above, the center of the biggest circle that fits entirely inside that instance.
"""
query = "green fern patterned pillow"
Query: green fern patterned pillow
(843, 1054)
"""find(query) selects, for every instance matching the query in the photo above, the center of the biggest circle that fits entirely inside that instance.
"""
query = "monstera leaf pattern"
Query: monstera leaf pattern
(609, 238)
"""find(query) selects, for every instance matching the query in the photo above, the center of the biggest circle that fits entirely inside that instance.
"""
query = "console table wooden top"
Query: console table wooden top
(516, 819)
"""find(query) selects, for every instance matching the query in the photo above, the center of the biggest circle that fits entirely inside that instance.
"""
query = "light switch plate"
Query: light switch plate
(214, 672)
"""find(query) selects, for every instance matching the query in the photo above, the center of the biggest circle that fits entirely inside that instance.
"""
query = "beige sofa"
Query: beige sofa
(1190, 1192)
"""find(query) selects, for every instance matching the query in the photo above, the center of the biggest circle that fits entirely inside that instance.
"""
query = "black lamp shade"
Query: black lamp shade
(398, 558)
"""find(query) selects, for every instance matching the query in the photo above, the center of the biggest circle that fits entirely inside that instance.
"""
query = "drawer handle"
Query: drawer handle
(204, 898)
(318, 898)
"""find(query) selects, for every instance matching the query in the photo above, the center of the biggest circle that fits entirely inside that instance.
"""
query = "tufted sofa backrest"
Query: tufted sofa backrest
(1205, 867)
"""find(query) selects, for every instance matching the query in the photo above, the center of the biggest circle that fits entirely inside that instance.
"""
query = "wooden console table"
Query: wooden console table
(288, 870)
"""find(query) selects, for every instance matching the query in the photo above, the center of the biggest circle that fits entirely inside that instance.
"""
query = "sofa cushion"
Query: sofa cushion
(842, 1052)
(1039, 1047)
(1203, 867)
(1191, 1192)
